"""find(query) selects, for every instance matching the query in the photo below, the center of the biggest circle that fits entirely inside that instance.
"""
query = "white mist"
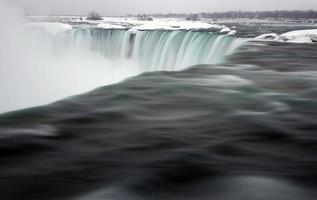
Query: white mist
(33, 74)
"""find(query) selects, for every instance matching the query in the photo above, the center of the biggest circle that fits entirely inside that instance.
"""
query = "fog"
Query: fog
(32, 73)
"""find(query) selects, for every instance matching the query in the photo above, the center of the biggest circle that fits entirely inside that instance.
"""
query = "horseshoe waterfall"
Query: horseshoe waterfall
(153, 50)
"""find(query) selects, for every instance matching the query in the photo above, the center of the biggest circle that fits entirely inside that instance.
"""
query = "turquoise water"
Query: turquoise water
(154, 50)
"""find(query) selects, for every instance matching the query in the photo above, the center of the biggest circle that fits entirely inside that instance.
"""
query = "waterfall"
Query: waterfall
(153, 50)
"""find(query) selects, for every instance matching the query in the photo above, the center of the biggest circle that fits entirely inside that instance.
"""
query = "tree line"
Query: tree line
(295, 14)
(278, 14)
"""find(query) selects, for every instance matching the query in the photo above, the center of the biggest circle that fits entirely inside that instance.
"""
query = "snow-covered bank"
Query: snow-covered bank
(267, 36)
(110, 26)
(298, 36)
(131, 23)
(159, 24)
(176, 25)
(162, 23)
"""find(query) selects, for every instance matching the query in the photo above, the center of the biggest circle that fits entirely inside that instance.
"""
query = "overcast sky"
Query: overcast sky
(121, 7)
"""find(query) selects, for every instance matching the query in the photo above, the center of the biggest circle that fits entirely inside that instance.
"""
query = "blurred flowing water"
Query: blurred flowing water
(243, 129)
(153, 50)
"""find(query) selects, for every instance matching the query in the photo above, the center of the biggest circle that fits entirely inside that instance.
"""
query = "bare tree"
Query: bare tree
(193, 17)
(94, 16)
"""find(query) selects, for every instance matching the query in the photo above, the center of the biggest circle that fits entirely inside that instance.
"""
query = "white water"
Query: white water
(155, 49)
(41, 65)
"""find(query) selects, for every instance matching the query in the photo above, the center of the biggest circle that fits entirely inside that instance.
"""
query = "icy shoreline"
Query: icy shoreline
(297, 36)
(135, 24)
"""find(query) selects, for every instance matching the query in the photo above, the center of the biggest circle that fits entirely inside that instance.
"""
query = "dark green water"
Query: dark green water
(242, 130)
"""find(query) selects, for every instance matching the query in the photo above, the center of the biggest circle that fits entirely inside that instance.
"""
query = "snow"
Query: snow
(225, 29)
(197, 25)
(301, 40)
(53, 28)
(133, 24)
(110, 26)
(133, 31)
(153, 26)
(300, 33)
(156, 24)
(228, 30)
(232, 32)
(267, 36)
(175, 25)
(298, 36)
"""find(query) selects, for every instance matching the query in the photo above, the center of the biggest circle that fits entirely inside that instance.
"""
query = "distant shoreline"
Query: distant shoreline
(298, 15)
(80, 18)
